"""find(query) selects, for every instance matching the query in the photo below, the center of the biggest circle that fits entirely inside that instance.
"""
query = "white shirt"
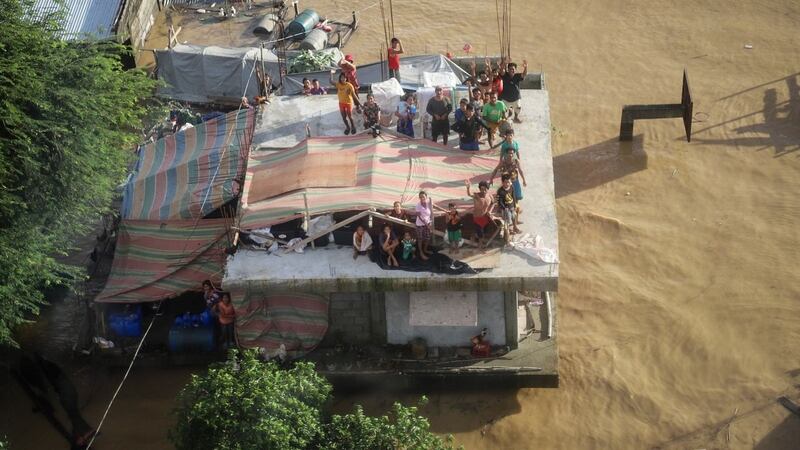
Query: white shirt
(366, 242)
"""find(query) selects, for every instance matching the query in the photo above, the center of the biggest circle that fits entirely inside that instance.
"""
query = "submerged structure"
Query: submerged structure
(264, 203)
(382, 310)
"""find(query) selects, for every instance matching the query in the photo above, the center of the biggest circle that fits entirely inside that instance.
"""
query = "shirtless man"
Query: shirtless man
(482, 203)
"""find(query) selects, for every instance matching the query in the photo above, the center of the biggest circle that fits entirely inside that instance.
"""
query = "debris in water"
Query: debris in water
(748, 46)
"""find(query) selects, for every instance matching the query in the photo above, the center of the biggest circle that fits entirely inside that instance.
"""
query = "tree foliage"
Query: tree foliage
(405, 429)
(69, 116)
(245, 403)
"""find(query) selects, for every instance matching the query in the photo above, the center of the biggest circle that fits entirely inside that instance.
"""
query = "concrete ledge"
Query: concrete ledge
(395, 284)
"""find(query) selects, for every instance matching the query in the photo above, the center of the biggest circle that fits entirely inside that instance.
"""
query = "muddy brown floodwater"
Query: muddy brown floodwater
(679, 298)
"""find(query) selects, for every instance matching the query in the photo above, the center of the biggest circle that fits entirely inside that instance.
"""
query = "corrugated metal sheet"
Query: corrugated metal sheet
(86, 18)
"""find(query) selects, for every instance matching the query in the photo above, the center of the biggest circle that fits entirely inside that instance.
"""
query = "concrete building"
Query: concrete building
(512, 293)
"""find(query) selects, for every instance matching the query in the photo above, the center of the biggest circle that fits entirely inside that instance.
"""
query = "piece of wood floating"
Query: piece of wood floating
(319, 234)
(632, 113)
(790, 405)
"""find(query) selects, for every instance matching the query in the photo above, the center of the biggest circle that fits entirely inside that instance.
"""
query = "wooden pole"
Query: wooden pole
(308, 214)
(319, 234)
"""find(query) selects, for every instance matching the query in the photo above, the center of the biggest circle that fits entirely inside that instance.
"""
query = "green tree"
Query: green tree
(245, 403)
(69, 115)
(405, 429)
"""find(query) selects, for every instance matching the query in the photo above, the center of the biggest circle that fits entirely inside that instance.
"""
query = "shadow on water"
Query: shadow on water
(598, 164)
(451, 411)
(785, 435)
(780, 127)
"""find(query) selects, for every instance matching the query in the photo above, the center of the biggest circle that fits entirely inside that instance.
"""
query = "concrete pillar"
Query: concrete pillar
(377, 307)
(547, 317)
(510, 309)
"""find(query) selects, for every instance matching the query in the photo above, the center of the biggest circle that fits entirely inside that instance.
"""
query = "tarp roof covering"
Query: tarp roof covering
(191, 173)
(206, 74)
(412, 73)
(387, 169)
(155, 260)
(297, 320)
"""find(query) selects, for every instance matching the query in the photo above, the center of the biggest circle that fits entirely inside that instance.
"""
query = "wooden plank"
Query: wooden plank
(488, 258)
(319, 234)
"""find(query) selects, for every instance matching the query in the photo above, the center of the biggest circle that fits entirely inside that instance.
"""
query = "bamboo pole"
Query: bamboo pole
(319, 234)
(308, 214)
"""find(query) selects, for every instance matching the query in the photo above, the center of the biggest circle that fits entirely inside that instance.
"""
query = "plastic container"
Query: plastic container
(316, 39)
(265, 26)
(302, 24)
(127, 323)
(191, 339)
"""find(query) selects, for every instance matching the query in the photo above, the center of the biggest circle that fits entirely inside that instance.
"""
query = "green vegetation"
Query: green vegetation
(69, 116)
(308, 61)
(245, 403)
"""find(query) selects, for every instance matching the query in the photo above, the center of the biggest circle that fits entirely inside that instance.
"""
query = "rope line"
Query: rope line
(124, 378)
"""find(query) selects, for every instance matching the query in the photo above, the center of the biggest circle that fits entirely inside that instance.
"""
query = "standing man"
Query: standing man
(494, 112)
(482, 203)
(395, 50)
(511, 80)
(470, 129)
(439, 107)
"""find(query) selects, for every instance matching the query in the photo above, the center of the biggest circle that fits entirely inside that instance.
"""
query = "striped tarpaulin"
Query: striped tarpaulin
(297, 320)
(389, 168)
(190, 173)
(155, 260)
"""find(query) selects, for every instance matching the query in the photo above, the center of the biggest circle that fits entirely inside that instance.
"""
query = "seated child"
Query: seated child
(481, 348)
(316, 89)
(388, 243)
(362, 242)
(409, 247)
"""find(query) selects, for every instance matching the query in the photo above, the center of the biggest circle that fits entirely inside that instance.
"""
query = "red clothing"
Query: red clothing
(226, 313)
(481, 221)
(350, 73)
(394, 60)
(346, 108)
(497, 85)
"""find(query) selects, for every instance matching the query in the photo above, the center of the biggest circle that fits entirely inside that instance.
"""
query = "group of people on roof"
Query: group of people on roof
(494, 100)
(501, 208)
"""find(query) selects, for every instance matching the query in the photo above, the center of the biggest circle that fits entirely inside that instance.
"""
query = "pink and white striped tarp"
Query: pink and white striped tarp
(389, 168)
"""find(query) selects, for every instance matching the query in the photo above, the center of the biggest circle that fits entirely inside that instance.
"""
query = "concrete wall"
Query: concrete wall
(135, 21)
(491, 315)
(356, 318)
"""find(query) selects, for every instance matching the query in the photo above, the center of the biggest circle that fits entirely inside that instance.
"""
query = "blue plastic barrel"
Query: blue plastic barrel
(192, 339)
(302, 24)
(127, 323)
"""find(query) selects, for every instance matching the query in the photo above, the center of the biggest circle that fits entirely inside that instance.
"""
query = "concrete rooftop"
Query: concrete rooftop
(332, 269)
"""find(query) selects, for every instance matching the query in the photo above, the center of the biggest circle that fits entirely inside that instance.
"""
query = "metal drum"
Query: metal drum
(316, 40)
(302, 24)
